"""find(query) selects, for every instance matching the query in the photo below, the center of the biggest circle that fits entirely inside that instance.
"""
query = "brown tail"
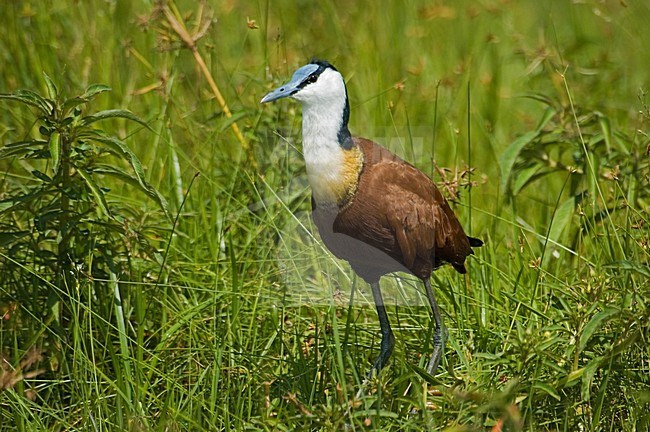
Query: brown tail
(473, 242)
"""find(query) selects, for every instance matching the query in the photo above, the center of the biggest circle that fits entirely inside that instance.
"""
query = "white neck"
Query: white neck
(323, 106)
(321, 123)
(322, 151)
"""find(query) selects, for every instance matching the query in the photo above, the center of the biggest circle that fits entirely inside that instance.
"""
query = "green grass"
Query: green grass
(246, 322)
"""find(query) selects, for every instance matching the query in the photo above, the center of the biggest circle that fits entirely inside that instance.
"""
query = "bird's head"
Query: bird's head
(326, 109)
(332, 159)
(315, 83)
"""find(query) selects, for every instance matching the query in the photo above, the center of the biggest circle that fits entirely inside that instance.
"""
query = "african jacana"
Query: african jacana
(372, 209)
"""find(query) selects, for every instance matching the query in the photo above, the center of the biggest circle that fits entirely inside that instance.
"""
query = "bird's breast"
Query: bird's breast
(333, 172)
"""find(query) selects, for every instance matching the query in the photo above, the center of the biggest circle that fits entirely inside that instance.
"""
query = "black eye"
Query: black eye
(312, 79)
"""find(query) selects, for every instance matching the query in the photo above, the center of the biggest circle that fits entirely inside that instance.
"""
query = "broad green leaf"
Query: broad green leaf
(592, 175)
(562, 218)
(519, 184)
(96, 191)
(93, 90)
(90, 93)
(7, 238)
(115, 113)
(160, 199)
(606, 128)
(524, 177)
(55, 151)
(621, 141)
(509, 156)
(43, 103)
(424, 374)
(548, 389)
(31, 98)
(588, 377)
(595, 140)
(71, 103)
(128, 178)
(631, 266)
(43, 218)
(594, 323)
(539, 97)
(526, 305)
(489, 356)
(375, 412)
(51, 88)
(41, 176)
(227, 121)
(21, 200)
(119, 148)
(548, 115)
(573, 376)
(20, 148)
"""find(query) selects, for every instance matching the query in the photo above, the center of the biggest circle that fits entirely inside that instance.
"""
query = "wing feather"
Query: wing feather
(400, 211)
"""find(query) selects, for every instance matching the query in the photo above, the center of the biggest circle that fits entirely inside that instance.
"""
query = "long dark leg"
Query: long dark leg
(439, 334)
(387, 338)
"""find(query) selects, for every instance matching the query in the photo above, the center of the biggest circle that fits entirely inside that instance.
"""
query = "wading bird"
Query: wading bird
(371, 208)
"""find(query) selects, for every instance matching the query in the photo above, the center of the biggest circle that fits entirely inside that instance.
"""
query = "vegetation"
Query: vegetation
(222, 310)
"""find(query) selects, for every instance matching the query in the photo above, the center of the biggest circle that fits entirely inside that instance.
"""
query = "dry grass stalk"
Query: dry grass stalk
(176, 22)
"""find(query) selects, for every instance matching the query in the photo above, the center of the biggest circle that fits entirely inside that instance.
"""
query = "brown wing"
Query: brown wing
(399, 210)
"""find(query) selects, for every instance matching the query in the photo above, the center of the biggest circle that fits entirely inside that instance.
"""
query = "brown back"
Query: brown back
(400, 213)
